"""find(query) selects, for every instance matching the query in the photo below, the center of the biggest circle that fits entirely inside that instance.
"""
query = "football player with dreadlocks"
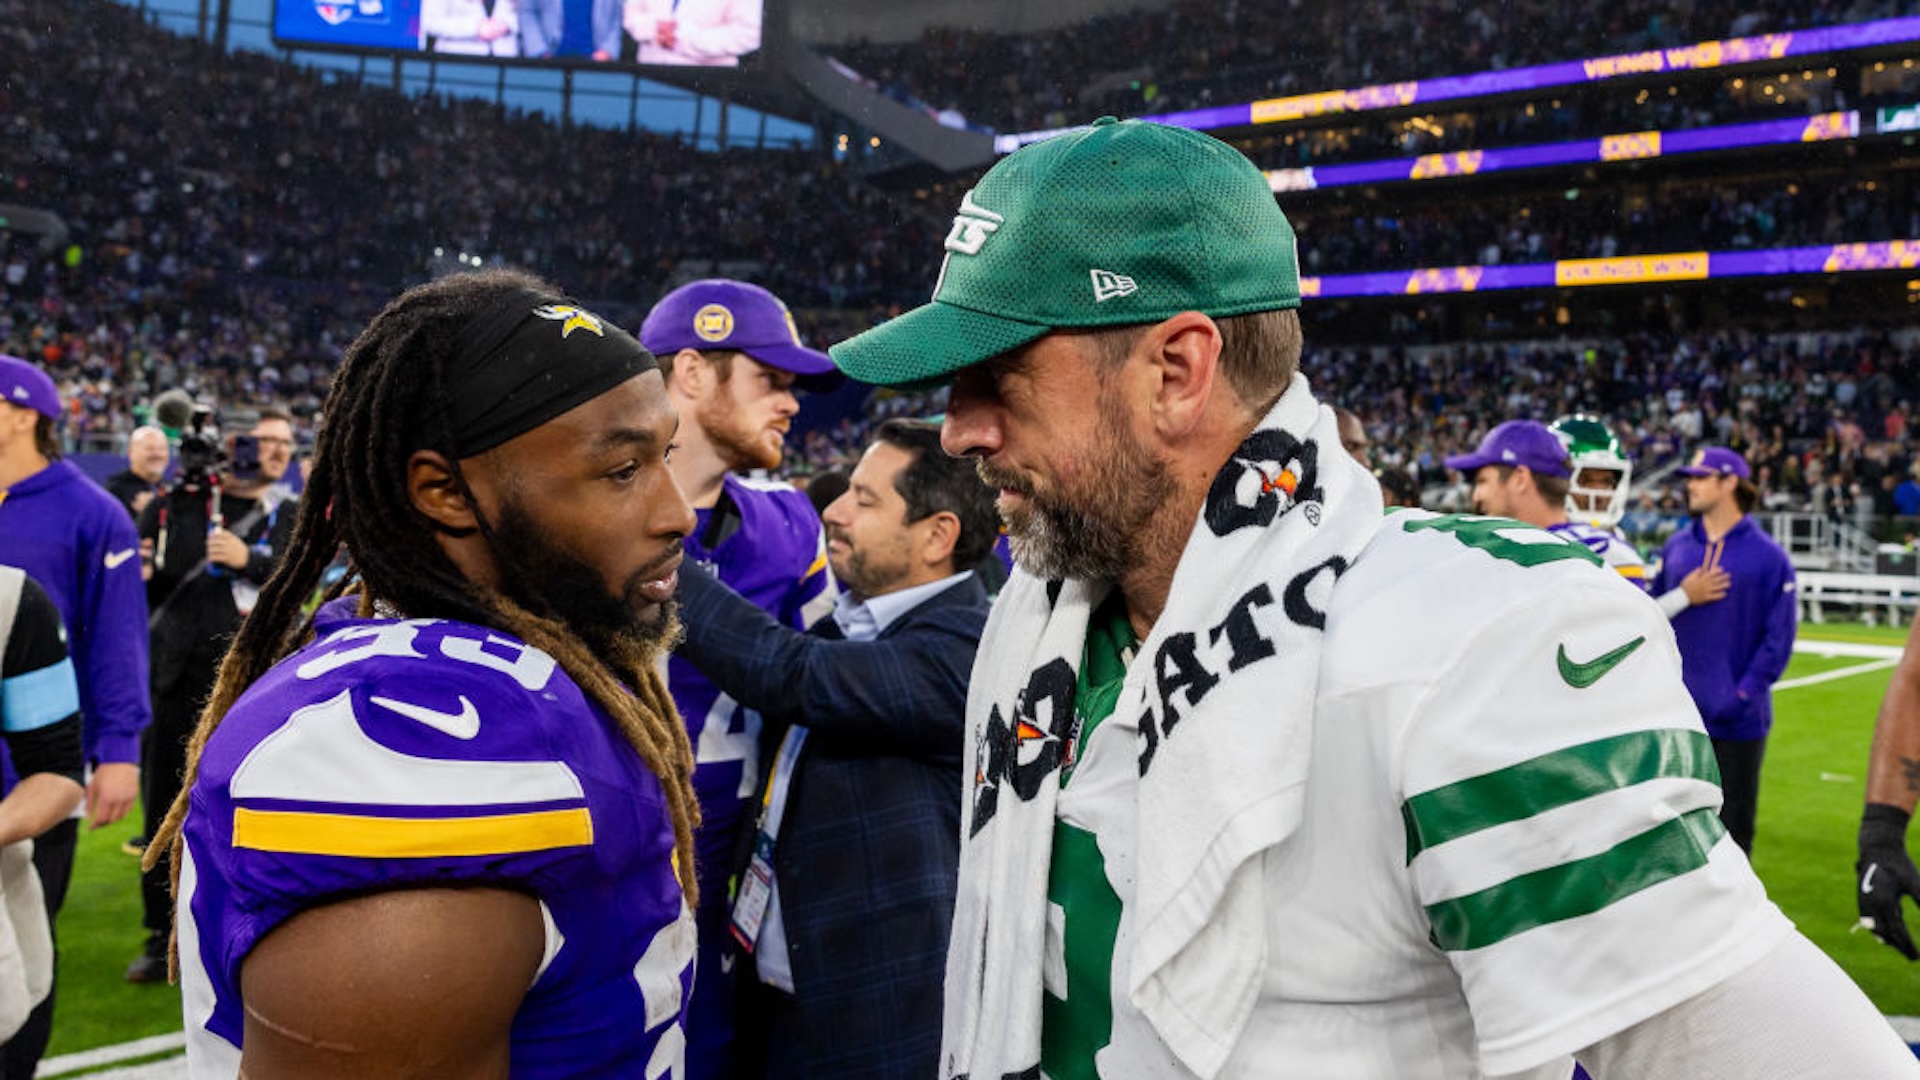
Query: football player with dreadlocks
(445, 827)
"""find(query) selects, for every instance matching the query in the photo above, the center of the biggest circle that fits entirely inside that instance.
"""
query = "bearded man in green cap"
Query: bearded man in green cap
(1264, 782)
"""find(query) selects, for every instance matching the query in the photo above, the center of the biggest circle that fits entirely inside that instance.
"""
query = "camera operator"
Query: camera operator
(214, 539)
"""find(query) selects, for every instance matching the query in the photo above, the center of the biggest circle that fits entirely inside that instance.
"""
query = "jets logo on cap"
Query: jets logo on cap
(971, 227)
(713, 322)
(1108, 285)
(570, 319)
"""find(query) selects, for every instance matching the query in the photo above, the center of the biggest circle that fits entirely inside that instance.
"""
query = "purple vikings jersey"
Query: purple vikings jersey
(774, 554)
(424, 753)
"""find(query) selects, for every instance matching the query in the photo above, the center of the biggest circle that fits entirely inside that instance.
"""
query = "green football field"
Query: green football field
(1809, 810)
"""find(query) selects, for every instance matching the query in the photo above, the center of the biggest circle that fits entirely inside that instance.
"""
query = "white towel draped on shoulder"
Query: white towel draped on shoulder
(1223, 745)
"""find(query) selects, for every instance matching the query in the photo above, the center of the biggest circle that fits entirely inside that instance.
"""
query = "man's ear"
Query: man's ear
(943, 532)
(1185, 354)
(436, 491)
(691, 373)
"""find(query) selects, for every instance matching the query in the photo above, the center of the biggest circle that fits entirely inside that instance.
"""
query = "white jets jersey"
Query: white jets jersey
(1613, 548)
(1510, 847)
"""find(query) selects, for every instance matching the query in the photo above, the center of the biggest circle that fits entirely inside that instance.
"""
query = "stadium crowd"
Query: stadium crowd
(1205, 54)
(233, 252)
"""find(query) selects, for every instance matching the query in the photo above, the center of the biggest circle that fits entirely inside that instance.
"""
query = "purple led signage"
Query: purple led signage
(1701, 56)
(1632, 145)
(1622, 270)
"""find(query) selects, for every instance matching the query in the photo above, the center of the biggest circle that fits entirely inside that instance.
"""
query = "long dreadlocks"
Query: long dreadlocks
(388, 400)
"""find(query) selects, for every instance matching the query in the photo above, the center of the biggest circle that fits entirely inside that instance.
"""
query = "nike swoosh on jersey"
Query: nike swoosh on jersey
(115, 558)
(464, 724)
(1581, 676)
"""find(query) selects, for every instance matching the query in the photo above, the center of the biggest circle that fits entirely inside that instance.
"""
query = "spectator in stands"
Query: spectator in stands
(40, 721)
(147, 458)
(1885, 872)
(1732, 648)
(733, 361)
(824, 487)
(1521, 470)
(1353, 434)
(209, 561)
(1397, 488)
(1226, 704)
(78, 543)
(844, 911)
(1906, 496)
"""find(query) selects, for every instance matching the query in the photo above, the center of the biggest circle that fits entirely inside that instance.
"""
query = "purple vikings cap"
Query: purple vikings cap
(1517, 442)
(734, 315)
(25, 385)
(1715, 461)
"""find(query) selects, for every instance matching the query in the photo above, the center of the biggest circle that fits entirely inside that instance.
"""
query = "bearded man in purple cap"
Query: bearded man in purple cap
(77, 541)
(1734, 647)
(733, 361)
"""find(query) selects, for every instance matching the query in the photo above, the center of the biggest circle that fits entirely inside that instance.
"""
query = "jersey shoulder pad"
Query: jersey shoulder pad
(419, 713)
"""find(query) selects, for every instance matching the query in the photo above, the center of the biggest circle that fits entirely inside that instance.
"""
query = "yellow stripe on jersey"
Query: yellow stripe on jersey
(819, 564)
(1633, 572)
(358, 836)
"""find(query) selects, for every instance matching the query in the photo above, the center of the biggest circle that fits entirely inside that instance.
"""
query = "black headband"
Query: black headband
(527, 361)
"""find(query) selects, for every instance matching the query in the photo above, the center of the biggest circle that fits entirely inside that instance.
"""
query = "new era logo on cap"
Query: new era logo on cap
(1107, 285)
(20, 393)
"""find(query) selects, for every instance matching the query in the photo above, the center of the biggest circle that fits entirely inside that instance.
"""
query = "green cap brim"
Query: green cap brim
(927, 345)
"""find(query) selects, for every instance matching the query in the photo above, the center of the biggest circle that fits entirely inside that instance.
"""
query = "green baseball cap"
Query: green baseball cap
(1118, 223)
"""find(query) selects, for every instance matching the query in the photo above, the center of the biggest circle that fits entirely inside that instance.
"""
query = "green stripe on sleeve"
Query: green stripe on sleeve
(1554, 780)
(1578, 888)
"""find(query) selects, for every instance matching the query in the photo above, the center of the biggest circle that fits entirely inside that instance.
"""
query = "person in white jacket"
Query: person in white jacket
(707, 33)
(471, 27)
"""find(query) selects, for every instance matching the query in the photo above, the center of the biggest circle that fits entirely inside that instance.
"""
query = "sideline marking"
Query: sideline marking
(1837, 673)
(82, 1060)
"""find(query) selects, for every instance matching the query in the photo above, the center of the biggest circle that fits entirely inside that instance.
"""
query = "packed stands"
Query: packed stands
(1192, 54)
(234, 251)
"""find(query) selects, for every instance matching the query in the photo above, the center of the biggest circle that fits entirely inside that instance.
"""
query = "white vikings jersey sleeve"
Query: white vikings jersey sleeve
(1612, 548)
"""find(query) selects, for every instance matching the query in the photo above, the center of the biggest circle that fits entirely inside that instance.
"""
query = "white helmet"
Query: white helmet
(1601, 473)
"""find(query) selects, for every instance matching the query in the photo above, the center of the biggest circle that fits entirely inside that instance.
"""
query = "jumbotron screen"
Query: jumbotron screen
(671, 33)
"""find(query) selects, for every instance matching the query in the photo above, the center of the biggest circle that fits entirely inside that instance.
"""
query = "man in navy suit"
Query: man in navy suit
(843, 909)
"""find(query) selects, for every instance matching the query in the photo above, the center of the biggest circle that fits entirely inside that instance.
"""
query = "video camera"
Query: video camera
(204, 451)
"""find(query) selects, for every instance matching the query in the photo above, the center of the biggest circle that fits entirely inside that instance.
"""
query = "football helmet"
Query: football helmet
(1601, 472)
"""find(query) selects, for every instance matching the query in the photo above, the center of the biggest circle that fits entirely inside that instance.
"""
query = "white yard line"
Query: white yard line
(1846, 648)
(1837, 673)
(67, 1064)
